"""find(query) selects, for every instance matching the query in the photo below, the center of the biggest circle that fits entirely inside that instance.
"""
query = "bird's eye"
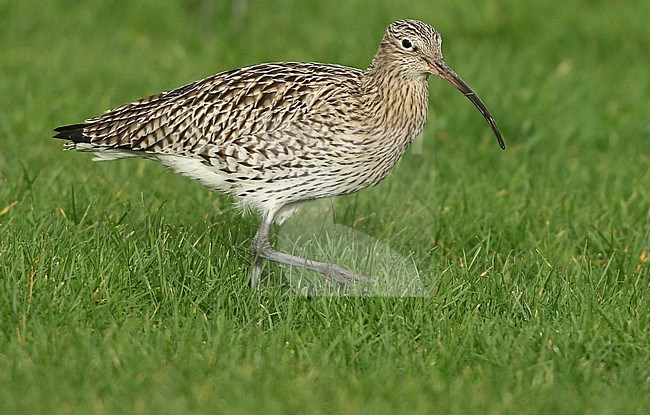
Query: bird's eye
(406, 44)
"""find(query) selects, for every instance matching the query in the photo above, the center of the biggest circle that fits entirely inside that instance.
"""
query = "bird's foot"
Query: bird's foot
(340, 275)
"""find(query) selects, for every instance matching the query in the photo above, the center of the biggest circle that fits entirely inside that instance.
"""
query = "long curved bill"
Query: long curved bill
(441, 69)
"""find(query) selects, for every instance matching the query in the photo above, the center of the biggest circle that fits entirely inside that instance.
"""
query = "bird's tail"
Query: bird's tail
(77, 140)
(73, 132)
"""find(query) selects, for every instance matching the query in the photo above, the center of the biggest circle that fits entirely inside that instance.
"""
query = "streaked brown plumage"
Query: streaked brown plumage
(278, 134)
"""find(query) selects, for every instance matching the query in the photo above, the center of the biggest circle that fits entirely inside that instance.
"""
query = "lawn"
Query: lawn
(123, 287)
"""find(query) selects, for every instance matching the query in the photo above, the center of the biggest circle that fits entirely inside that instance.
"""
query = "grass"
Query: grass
(123, 286)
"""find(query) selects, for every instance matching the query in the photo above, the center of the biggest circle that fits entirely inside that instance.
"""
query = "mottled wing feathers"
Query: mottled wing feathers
(207, 115)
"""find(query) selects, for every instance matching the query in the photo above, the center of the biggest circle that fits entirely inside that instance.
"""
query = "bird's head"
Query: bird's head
(414, 49)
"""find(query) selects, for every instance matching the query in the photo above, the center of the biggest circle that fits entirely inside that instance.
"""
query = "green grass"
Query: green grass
(123, 287)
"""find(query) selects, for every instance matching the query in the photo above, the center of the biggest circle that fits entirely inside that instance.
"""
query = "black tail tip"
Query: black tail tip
(73, 132)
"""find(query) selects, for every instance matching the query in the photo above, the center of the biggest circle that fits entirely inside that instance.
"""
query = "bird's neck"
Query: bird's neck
(396, 101)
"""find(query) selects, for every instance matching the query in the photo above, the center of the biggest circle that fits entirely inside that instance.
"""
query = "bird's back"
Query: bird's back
(210, 114)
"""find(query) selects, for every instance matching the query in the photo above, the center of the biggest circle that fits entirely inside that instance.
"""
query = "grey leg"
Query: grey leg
(261, 249)
(256, 273)
(262, 234)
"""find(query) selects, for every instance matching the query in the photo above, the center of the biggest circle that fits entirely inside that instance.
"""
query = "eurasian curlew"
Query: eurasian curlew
(275, 135)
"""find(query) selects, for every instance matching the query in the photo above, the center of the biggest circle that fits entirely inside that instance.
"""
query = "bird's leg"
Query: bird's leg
(256, 273)
(261, 249)
(261, 238)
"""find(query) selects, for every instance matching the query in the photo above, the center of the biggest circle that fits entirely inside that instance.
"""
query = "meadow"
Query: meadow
(124, 287)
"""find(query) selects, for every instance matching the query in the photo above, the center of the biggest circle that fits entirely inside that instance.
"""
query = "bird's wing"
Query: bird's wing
(209, 114)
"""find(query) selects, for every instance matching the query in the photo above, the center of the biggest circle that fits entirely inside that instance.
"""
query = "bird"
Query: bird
(277, 135)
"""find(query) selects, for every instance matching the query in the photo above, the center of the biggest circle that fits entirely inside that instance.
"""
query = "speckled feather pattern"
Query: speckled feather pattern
(277, 134)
